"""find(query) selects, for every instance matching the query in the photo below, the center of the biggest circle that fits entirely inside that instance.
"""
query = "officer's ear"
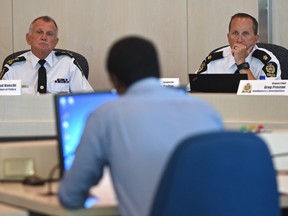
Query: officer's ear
(117, 83)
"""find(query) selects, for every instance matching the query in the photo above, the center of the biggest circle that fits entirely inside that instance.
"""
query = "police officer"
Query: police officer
(243, 55)
(62, 73)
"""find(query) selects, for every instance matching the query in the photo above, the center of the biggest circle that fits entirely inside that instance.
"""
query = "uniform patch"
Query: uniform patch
(3, 71)
(270, 69)
(202, 68)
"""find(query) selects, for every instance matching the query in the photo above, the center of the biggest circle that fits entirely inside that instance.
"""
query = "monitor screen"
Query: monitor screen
(72, 111)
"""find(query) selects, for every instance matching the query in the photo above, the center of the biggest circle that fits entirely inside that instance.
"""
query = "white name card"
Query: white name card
(263, 87)
(170, 82)
(10, 87)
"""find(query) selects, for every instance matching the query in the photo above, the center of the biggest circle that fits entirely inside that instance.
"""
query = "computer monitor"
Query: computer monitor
(71, 112)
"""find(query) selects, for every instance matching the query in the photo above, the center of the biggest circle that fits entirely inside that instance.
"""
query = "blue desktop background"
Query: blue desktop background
(73, 111)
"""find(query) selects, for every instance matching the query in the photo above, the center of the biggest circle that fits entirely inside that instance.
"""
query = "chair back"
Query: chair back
(82, 61)
(221, 174)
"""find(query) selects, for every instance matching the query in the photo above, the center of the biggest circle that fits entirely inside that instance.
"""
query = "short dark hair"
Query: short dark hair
(244, 15)
(133, 58)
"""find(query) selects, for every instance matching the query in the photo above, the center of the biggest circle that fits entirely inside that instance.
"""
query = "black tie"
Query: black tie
(42, 79)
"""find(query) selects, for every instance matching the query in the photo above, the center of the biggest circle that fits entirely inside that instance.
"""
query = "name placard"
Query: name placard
(10, 87)
(170, 82)
(263, 87)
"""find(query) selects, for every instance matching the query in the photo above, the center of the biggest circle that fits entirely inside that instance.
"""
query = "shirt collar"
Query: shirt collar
(34, 59)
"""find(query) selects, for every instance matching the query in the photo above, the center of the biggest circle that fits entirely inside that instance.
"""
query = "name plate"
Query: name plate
(10, 87)
(170, 82)
(263, 87)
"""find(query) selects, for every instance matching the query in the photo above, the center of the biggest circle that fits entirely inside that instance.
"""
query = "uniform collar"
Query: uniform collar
(34, 59)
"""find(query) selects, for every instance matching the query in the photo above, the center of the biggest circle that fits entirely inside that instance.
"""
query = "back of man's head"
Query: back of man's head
(133, 58)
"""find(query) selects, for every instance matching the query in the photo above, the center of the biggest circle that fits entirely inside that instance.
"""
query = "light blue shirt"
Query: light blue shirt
(135, 135)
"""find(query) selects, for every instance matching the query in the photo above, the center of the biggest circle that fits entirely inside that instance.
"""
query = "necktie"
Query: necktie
(42, 79)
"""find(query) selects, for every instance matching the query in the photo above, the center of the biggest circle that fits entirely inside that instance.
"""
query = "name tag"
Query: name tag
(10, 87)
(263, 87)
(170, 82)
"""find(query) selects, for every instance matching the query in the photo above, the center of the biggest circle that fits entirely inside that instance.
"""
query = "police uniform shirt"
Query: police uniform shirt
(63, 75)
(262, 63)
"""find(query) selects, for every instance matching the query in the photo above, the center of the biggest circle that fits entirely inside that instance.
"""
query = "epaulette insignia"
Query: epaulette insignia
(262, 56)
(3, 71)
(209, 58)
(17, 59)
(214, 56)
(270, 69)
(63, 52)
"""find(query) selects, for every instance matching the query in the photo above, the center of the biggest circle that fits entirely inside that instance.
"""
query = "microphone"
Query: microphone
(50, 180)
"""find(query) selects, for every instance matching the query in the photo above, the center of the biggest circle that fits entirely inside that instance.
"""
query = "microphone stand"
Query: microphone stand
(50, 179)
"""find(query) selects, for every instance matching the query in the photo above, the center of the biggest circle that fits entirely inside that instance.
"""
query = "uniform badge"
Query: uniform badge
(265, 57)
(203, 67)
(270, 69)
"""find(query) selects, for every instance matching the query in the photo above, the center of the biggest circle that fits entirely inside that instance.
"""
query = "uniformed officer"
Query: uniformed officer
(62, 73)
(243, 55)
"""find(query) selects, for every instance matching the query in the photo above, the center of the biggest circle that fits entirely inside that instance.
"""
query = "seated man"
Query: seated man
(135, 134)
(58, 71)
(243, 55)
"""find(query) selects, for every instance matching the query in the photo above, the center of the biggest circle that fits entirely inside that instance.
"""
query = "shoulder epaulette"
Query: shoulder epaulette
(17, 59)
(211, 57)
(263, 56)
(63, 52)
(67, 53)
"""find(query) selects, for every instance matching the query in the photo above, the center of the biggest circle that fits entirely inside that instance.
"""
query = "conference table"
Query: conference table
(23, 116)
(37, 201)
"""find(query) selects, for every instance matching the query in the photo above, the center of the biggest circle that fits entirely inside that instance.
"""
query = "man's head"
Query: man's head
(131, 59)
(243, 28)
(42, 36)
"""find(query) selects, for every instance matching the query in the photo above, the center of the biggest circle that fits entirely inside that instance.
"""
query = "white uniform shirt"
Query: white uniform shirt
(62, 74)
(227, 64)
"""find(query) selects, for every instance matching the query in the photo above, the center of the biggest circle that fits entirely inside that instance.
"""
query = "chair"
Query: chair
(221, 174)
(79, 58)
(280, 52)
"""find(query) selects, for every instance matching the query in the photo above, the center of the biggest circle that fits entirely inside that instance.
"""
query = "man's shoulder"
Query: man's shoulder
(18, 59)
(213, 56)
(263, 55)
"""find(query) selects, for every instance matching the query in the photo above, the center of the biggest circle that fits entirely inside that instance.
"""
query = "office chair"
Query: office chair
(280, 52)
(221, 174)
(282, 55)
(79, 58)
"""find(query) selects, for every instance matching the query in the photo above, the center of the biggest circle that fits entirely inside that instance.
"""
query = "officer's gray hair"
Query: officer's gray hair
(46, 19)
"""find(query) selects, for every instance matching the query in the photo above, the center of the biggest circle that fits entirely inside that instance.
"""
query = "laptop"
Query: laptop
(220, 83)
(71, 112)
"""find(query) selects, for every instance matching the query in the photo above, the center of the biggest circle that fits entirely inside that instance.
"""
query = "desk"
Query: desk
(239, 110)
(32, 199)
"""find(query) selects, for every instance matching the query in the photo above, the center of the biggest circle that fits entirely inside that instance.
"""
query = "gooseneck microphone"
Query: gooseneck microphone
(50, 180)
